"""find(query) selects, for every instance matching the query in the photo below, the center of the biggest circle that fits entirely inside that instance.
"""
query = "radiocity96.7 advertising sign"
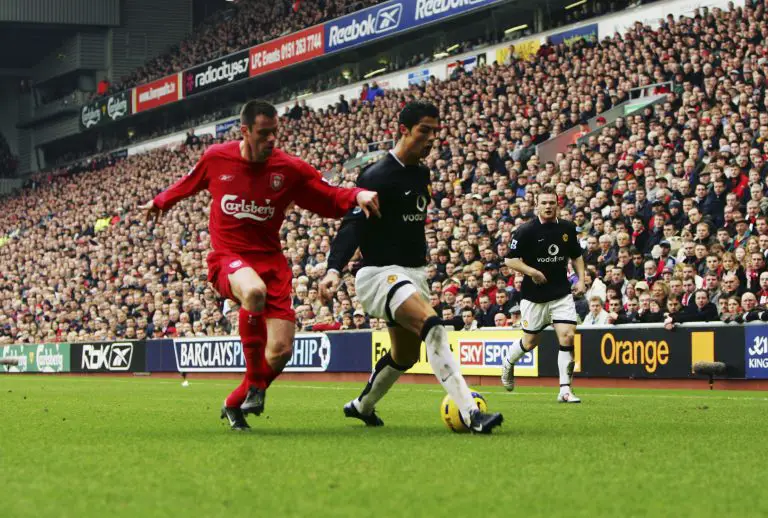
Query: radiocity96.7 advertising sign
(479, 353)
(224, 71)
(391, 18)
(47, 358)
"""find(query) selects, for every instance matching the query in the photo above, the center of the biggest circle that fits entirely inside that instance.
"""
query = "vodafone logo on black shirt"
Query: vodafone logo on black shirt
(229, 69)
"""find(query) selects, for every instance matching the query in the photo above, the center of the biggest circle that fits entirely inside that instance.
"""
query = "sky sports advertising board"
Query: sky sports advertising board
(391, 18)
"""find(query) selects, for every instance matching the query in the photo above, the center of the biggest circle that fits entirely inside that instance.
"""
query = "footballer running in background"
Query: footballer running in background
(540, 250)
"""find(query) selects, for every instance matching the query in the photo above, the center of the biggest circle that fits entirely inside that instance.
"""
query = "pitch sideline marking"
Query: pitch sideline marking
(402, 389)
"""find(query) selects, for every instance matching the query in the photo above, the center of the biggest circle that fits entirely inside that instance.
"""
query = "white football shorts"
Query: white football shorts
(383, 289)
(538, 315)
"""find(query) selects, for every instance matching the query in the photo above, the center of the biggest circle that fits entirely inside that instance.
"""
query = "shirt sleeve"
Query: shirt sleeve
(347, 240)
(517, 244)
(315, 194)
(188, 185)
(574, 248)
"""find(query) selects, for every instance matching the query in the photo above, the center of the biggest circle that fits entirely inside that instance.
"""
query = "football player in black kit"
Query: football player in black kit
(393, 282)
(540, 250)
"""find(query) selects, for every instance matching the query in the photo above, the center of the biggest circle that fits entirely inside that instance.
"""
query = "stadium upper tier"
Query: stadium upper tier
(243, 24)
(665, 201)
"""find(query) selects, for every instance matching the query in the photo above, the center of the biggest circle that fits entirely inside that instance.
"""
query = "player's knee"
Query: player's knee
(280, 351)
(254, 297)
(566, 338)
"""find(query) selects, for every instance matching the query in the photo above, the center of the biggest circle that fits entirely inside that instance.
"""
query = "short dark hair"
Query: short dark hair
(253, 109)
(414, 111)
(547, 189)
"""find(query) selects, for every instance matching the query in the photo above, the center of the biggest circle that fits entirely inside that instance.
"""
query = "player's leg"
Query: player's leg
(280, 330)
(243, 284)
(535, 317)
(416, 315)
(404, 352)
(564, 321)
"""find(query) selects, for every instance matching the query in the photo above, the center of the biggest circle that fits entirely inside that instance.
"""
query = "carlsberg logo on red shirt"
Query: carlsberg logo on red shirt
(231, 205)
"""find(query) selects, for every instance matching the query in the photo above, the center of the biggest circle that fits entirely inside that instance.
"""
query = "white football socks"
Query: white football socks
(516, 351)
(447, 370)
(565, 366)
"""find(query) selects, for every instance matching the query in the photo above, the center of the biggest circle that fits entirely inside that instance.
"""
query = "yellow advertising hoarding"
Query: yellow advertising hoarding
(479, 353)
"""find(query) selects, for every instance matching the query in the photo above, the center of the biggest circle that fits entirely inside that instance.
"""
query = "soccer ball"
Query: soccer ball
(449, 412)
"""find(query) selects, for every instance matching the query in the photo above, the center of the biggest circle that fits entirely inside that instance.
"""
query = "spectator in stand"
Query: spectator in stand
(468, 321)
(702, 311)
(597, 316)
(500, 320)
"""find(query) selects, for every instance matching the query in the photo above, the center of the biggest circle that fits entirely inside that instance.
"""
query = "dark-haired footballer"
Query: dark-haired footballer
(540, 249)
(392, 282)
(252, 182)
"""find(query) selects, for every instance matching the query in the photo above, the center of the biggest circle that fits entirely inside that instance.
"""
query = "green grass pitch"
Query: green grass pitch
(148, 447)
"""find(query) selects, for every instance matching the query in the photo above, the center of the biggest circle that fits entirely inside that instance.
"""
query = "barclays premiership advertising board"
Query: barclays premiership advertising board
(311, 353)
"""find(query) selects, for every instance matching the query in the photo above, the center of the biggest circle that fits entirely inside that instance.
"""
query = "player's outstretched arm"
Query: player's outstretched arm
(188, 185)
(317, 195)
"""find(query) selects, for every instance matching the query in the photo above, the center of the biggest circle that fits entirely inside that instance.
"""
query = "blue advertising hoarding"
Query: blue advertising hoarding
(391, 18)
(571, 36)
(756, 351)
(315, 352)
(418, 77)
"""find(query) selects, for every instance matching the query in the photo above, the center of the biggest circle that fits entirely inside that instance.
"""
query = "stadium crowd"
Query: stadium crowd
(670, 204)
(243, 24)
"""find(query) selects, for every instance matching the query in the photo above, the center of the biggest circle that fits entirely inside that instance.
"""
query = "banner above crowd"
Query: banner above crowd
(364, 26)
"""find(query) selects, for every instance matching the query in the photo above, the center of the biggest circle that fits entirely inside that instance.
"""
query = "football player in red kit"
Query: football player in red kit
(252, 183)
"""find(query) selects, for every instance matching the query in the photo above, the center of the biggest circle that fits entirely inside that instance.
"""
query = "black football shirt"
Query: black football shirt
(547, 248)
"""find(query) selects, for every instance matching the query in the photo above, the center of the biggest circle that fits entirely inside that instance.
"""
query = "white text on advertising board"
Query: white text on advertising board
(758, 353)
(287, 51)
(225, 71)
(429, 8)
(386, 19)
(168, 88)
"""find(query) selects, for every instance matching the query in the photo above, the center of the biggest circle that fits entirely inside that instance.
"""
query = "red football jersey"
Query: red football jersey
(250, 198)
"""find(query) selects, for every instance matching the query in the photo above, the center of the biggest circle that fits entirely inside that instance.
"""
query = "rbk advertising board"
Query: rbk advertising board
(109, 357)
(391, 18)
(227, 70)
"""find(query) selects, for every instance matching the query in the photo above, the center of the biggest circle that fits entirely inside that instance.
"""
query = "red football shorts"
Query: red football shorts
(273, 270)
